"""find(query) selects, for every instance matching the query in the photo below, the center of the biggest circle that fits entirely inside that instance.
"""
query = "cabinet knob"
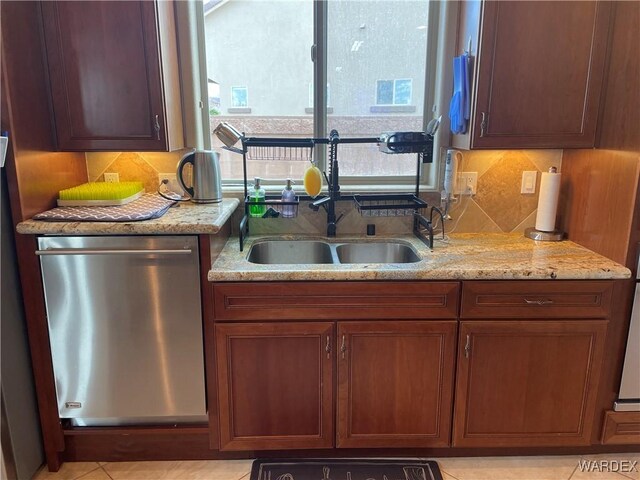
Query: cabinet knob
(157, 126)
(343, 347)
(327, 347)
(467, 347)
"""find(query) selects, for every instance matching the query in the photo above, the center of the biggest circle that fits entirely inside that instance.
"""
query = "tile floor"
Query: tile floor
(476, 468)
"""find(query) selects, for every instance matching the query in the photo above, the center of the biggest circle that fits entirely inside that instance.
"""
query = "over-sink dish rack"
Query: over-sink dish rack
(370, 205)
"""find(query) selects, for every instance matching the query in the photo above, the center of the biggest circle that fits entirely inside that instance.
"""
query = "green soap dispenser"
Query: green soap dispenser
(257, 195)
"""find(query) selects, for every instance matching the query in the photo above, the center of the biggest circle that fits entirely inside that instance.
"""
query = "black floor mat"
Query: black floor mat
(345, 469)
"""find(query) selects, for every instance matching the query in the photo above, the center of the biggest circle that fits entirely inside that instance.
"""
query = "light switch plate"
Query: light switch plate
(528, 185)
(112, 177)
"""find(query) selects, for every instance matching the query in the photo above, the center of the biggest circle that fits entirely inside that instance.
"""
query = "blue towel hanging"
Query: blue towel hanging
(460, 108)
(467, 87)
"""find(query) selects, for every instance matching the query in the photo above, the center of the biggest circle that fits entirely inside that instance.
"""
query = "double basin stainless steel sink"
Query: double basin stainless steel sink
(296, 252)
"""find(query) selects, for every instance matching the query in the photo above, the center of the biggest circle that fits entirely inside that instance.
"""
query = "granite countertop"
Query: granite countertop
(185, 218)
(478, 256)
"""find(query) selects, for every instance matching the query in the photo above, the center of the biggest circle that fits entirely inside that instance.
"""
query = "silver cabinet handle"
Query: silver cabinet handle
(157, 126)
(483, 123)
(92, 251)
(327, 347)
(343, 347)
(538, 302)
(467, 347)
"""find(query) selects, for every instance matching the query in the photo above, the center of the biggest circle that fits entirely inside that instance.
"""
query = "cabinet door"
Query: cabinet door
(395, 382)
(105, 74)
(275, 385)
(527, 383)
(540, 74)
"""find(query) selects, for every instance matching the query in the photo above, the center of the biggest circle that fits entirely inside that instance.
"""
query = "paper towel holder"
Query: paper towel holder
(539, 235)
(545, 236)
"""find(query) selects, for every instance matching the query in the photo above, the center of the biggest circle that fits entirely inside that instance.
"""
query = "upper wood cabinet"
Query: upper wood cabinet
(113, 73)
(538, 72)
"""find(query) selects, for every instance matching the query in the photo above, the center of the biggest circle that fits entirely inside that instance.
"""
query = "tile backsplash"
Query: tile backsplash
(139, 166)
(497, 206)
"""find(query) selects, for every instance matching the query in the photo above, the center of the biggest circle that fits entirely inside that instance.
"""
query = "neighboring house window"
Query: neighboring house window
(394, 92)
(239, 97)
(369, 61)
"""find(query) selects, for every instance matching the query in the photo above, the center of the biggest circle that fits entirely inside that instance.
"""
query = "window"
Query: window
(393, 92)
(239, 97)
(261, 46)
(373, 54)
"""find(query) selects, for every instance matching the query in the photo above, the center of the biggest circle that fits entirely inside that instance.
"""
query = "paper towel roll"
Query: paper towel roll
(548, 201)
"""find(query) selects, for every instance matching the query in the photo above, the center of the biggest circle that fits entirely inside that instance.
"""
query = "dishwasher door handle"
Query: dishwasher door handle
(97, 251)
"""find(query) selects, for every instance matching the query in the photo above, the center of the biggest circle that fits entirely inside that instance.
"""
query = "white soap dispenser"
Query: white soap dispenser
(288, 195)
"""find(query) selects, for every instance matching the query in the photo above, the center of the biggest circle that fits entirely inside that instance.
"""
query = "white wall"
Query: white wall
(264, 46)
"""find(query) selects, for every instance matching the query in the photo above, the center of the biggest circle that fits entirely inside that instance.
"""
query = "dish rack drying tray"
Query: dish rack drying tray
(301, 149)
(388, 205)
(279, 149)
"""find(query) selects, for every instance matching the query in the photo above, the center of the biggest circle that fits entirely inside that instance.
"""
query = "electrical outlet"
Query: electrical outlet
(467, 183)
(167, 176)
(111, 177)
(173, 184)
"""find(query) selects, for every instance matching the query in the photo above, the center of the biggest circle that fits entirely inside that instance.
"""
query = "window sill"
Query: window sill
(239, 110)
(237, 190)
(310, 110)
(392, 109)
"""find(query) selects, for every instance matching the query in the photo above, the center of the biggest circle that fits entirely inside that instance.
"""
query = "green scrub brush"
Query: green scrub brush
(100, 194)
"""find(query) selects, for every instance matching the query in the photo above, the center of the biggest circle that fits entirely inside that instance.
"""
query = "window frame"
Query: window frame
(441, 40)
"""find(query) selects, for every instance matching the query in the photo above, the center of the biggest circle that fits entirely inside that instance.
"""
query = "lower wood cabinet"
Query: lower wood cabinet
(275, 385)
(522, 361)
(527, 383)
(395, 383)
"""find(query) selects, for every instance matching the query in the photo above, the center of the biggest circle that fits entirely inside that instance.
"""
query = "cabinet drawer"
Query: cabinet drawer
(536, 299)
(621, 428)
(331, 300)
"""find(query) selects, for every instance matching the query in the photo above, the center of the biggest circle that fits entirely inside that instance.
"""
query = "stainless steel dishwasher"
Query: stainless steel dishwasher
(125, 327)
